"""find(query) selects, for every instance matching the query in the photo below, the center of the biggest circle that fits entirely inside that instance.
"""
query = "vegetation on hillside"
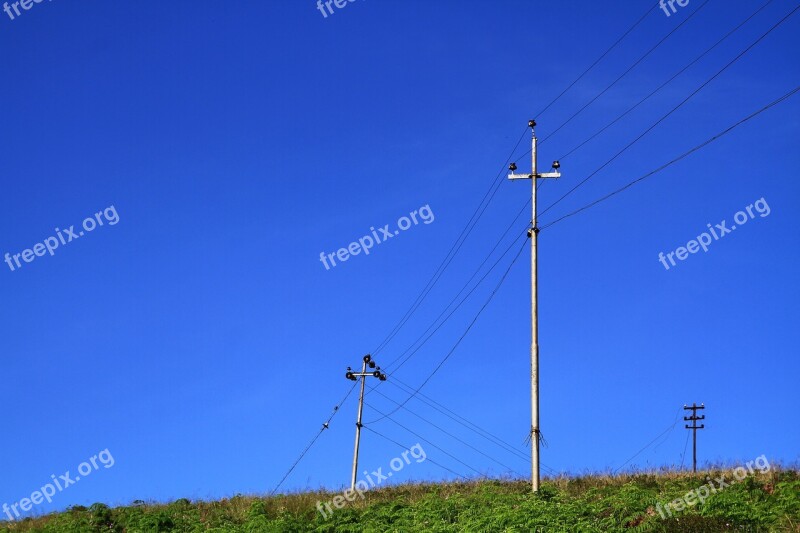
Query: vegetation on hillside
(597, 503)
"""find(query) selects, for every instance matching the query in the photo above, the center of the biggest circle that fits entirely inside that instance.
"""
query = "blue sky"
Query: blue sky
(203, 343)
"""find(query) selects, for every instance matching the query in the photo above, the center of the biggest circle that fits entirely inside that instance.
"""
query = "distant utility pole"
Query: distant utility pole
(354, 376)
(533, 233)
(694, 427)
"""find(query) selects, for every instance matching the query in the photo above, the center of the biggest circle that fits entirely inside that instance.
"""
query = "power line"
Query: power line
(768, 106)
(670, 428)
(460, 419)
(325, 426)
(454, 309)
(453, 349)
(679, 158)
(659, 121)
(336, 408)
(454, 437)
(494, 439)
(454, 249)
(786, 96)
(481, 208)
(597, 61)
(684, 69)
(426, 440)
(478, 212)
(635, 64)
(685, 444)
(408, 447)
(438, 326)
(502, 237)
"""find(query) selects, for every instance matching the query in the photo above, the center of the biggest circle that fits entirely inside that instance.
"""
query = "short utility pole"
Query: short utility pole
(533, 233)
(694, 427)
(354, 376)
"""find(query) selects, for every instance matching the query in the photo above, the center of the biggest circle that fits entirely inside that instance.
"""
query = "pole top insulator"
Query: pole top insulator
(531, 123)
(512, 167)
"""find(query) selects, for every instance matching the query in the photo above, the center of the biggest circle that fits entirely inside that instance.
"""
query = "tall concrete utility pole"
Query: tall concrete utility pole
(694, 427)
(354, 376)
(533, 233)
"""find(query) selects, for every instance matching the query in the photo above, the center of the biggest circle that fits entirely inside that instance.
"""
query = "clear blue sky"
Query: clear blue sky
(201, 340)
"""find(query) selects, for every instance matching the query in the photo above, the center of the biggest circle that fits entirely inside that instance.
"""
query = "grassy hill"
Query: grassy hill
(629, 502)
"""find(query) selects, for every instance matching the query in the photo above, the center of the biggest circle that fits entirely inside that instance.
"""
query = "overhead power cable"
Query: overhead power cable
(679, 158)
(635, 64)
(325, 426)
(424, 439)
(478, 430)
(681, 71)
(602, 56)
(459, 419)
(490, 193)
(466, 297)
(454, 437)
(685, 444)
(428, 459)
(681, 104)
(454, 249)
(670, 428)
(455, 298)
(469, 327)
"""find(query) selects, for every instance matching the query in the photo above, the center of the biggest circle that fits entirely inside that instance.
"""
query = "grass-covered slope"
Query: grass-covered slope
(760, 502)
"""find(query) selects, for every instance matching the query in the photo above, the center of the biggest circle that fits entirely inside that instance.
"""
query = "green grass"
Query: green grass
(592, 503)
